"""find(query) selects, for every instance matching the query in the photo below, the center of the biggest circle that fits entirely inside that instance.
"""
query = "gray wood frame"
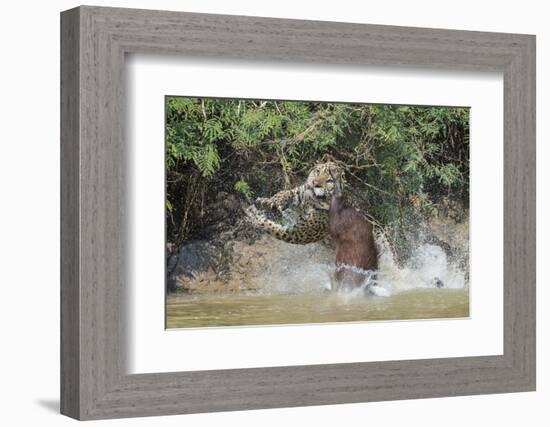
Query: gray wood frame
(94, 383)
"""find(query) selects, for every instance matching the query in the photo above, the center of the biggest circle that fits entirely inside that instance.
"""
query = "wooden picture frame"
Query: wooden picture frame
(94, 382)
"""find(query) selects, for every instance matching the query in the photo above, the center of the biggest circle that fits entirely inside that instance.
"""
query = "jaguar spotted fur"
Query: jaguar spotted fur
(299, 215)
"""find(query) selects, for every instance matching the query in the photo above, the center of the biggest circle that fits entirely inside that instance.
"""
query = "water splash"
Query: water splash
(309, 269)
(429, 266)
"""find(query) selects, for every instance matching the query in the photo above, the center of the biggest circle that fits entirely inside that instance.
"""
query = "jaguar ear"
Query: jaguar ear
(327, 158)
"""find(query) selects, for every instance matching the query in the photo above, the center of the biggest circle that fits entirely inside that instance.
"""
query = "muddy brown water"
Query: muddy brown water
(192, 311)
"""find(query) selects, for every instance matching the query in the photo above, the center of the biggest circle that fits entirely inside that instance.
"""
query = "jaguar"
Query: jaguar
(300, 215)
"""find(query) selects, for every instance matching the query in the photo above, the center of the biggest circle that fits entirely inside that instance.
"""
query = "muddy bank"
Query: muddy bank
(240, 265)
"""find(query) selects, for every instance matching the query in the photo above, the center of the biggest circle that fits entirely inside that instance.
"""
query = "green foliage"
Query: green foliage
(397, 158)
(243, 187)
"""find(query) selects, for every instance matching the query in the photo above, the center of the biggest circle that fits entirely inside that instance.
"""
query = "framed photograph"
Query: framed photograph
(260, 229)
(261, 213)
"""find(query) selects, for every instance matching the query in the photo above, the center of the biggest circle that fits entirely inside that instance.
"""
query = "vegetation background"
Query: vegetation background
(400, 161)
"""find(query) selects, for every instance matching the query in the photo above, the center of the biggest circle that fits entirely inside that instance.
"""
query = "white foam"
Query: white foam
(307, 272)
(428, 264)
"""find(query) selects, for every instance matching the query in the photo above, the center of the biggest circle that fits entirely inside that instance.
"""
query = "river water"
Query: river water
(257, 309)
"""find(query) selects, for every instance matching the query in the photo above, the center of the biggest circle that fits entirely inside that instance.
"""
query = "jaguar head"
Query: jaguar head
(322, 181)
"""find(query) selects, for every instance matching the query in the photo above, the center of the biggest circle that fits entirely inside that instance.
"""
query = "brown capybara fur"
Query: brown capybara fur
(356, 252)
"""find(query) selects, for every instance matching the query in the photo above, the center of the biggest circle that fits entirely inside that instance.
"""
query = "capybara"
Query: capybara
(356, 253)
